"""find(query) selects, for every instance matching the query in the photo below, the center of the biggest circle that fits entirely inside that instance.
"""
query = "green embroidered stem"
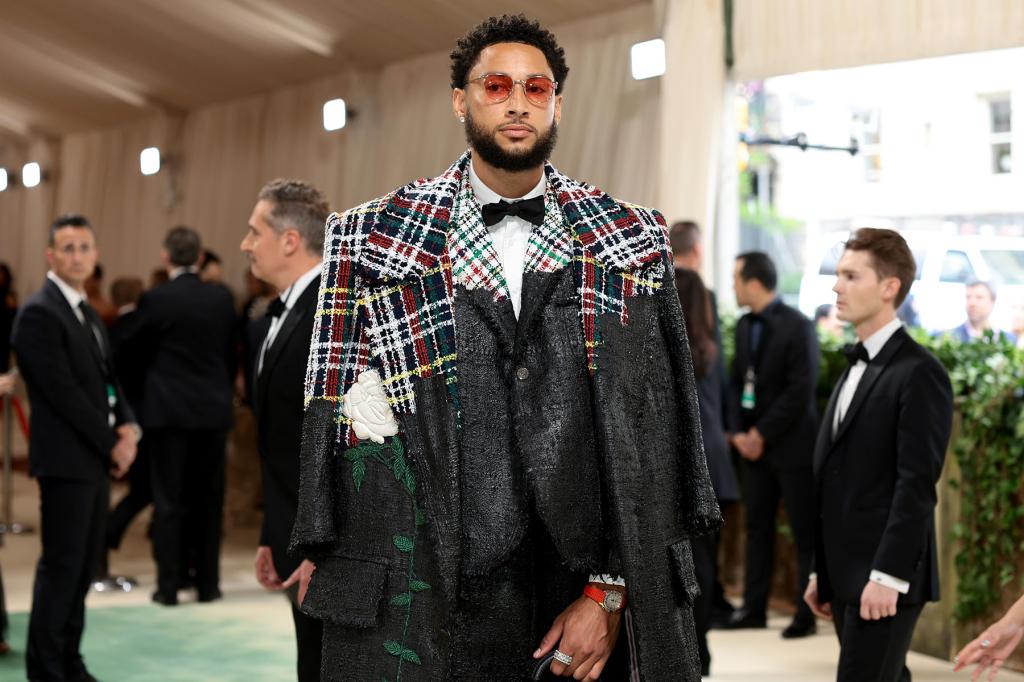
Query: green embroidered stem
(392, 456)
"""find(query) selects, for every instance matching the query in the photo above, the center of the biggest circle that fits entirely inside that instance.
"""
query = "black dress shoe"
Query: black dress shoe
(165, 599)
(742, 620)
(208, 596)
(797, 629)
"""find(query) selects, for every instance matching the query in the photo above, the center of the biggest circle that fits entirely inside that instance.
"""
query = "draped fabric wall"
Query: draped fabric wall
(775, 37)
(217, 157)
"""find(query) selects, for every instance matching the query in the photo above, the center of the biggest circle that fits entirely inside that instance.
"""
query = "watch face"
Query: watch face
(613, 600)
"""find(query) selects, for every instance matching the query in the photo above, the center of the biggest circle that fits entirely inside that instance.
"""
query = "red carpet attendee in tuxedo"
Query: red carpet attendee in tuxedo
(877, 461)
(82, 429)
(285, 243)
(183, 336)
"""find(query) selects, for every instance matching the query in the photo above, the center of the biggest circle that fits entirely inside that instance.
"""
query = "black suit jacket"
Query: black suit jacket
(183, 337)
(67, 378)
(876, 475)
(786, 365)
(278, 399)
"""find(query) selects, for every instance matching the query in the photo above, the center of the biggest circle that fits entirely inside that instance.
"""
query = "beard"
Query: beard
(483, 144)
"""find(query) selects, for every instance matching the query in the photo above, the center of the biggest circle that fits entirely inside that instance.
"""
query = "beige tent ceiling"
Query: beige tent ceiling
(68, 65)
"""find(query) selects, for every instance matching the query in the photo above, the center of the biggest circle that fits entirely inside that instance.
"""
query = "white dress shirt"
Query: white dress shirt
(510, 236)
(873, 345)
(289, 296)
(74, 296)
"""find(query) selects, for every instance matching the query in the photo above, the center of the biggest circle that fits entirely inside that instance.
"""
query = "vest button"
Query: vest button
(522, 373)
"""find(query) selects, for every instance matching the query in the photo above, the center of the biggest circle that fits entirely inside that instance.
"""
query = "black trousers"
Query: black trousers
(309, 635)
(705, 566)
(874, 650)
(187, 473)
(71, 519)
(764, 488)
(140, 496)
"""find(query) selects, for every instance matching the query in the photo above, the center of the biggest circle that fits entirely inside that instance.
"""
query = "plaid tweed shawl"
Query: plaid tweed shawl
(387, 290)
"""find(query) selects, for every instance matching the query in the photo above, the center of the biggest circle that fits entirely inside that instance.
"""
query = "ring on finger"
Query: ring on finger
(986, 643)
(562, 657)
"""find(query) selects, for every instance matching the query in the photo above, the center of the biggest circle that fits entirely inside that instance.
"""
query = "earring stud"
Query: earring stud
(462, 119)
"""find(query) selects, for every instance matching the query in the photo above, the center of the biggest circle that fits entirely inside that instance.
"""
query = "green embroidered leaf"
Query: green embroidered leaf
(358, 473)
(410, 655)
(399, 467)
(396, 447)
(393, 647)
(353, 454)
(403, 543)
(403, 599)
(418, 585)
(421, 518)
(410, 482)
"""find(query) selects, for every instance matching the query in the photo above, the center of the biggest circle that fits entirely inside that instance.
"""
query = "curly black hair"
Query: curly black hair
(507, 29)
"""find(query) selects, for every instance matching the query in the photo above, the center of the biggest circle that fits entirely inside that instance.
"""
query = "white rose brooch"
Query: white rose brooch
(367, 406)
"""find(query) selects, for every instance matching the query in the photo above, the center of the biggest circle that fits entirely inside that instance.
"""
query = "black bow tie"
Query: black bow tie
(531, 210)
(855, 352)
(276, 308)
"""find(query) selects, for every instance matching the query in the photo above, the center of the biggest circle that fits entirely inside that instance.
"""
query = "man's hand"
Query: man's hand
(266, 574)
(123, 453)
(755, 444)
(990, 649)
(877, 601)
(300, 575)
(586, 632)
(811, 597)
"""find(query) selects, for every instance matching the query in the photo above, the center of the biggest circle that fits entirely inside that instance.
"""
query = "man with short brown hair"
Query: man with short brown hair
(878, 458)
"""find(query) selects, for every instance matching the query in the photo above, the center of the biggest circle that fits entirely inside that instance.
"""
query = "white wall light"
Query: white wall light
(647, 59)
(149, 161)
(31, 174)
(3, 179)
(334, 114)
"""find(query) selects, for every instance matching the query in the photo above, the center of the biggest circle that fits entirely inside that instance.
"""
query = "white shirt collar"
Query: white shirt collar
(73, 296)
(174, 273)
(485, 195)
(874, 343)
(292, 293)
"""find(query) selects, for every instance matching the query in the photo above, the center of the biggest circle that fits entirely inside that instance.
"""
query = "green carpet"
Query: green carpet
(244, 640)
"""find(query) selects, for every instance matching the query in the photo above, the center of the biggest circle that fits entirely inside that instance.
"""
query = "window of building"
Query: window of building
(1000, 133)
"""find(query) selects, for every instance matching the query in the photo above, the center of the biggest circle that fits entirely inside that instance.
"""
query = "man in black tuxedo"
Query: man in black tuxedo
(877, 461)
(82, 429)
(183, 336)
(773, 422)
(284, 244)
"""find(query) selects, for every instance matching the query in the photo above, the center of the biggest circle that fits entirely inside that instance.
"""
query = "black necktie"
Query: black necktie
(530, 210)
(275, 308)
(856, 352)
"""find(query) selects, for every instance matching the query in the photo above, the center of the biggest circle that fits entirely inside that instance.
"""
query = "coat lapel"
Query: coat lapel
(302, 310)
(82, 331)
(867, 381)
(826, 435)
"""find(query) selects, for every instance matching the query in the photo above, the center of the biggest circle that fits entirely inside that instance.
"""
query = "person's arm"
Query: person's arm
(43, 361)
(992, 647)
(923, 427)
(801, 382)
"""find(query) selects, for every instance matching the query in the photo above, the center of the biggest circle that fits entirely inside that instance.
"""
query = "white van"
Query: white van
(944, 265)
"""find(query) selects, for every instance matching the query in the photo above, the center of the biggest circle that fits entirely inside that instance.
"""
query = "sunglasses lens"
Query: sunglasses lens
(498, 87)
(539, 89)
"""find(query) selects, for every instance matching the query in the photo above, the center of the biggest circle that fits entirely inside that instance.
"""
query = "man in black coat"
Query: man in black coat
(183, 336)
(501, 454)
(877, 461)
(82, 429)
(773, 421)
(284, 244)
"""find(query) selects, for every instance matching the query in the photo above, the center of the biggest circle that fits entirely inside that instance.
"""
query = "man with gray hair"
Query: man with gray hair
(284, 243)
(182, 339)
